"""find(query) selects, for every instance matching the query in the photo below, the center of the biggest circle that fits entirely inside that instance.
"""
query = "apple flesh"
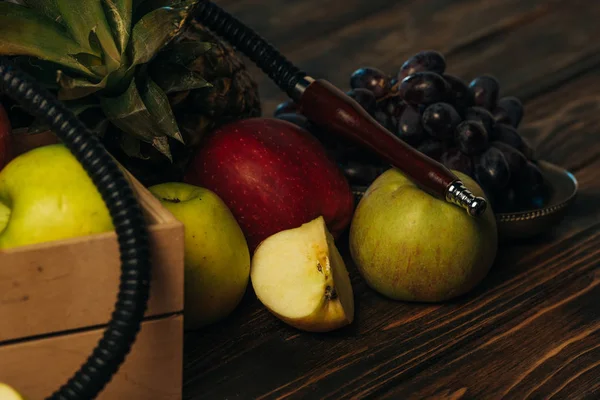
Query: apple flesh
(299, 276)
(411, 246)
(46, 195)
(8, 393)
(273, 175)
(5, 137)
(217, 259)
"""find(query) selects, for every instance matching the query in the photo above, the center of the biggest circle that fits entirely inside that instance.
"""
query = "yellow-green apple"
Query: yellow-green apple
(46, 195)
(8, 393)
(217, 258)
(409, 245)
(5, 137)
(299, 275)
(273, 175)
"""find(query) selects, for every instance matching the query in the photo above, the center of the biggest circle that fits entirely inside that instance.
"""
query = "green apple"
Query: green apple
(217, 258)
(8, 393)
(46, 195)
(411, 246)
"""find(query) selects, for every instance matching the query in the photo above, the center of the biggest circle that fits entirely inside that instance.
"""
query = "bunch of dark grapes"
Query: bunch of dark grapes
(468, 127)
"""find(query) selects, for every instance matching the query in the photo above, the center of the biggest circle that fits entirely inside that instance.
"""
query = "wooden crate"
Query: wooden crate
(57, 297)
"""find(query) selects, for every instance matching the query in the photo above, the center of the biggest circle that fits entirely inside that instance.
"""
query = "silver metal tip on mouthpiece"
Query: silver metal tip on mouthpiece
(458, 194)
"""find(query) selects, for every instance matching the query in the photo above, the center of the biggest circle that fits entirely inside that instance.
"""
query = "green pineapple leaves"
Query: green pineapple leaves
(74, 88)
(169, 71)
(154, 30)
(82, 17)
(21, 29)
(119, 17)
(158, 104)
(97, 55)
(144, 112)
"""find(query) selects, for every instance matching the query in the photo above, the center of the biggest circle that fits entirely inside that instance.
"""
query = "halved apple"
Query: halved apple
(8, 393)
(299, 275)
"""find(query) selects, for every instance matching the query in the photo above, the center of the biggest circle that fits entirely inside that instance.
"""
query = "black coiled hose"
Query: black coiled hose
(129, 224)
(126, 214)
(256, 48)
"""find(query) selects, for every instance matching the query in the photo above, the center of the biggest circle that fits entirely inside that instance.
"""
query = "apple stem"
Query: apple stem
(330, 293)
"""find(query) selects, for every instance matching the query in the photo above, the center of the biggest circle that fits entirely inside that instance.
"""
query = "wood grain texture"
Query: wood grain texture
(152, 370)
(531, 330)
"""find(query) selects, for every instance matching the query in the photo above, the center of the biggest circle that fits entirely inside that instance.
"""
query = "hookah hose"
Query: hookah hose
(127, 219)
(281, 71)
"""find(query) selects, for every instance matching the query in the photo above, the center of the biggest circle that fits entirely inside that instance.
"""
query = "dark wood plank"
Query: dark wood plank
(293, 24)
(532, 327)
(477, 37)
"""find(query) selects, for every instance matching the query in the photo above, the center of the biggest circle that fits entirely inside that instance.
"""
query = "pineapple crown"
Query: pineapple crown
(108, 55)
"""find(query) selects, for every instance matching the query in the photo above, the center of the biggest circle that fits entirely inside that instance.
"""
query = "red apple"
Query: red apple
(5, 133)
(273, 175)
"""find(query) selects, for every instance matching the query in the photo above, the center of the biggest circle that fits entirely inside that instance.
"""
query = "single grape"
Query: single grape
(361, 174)
(530, 187)
(509, 111)
(386, 120)
(410, 128)
(491, 170)
(393, 106)
(471, 137)
(428, 60)
(457, 160)
(286, 107)
(423, 88)
(432, 148)
(515, 159)
(482, 115)
(372, 79)
(485, 91)
(365, 98)
(509, 135)
(440, 120)
(459, 95)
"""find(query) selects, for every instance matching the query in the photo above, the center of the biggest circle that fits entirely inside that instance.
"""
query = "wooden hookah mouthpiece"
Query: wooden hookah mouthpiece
(330, 108)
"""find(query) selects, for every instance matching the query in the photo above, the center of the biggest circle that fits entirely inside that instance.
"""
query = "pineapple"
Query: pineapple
(142, 74)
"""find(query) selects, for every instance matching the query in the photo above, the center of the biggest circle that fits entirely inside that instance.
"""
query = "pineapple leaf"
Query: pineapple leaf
(119, 16)
(161, 143)
(82, 17)
(178, 78)
(47, 7)
(157, 103)
(184, 52)
(75, 88)
(131, 146)
(129, 113)
(80, 106)
(142, 7)
(21, 29)
(37, 126)
(154, 31)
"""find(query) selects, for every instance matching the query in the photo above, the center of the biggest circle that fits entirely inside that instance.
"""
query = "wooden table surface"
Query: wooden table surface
(531, 330)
